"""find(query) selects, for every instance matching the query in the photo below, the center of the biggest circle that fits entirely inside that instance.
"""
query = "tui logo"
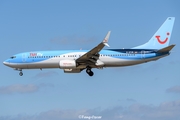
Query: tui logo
(162, 41)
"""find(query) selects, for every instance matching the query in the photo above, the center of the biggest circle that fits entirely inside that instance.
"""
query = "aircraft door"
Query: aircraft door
(142, 54)
(24, 57)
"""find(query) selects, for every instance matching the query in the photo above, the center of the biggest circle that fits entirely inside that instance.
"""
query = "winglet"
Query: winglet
(105, 41)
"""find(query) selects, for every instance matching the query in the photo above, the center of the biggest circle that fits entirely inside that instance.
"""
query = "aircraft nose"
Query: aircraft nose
(6, 63)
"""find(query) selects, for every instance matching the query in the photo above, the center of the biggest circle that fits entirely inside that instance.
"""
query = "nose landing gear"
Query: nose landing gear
(19, 69)
(89, 72)
(21, 73)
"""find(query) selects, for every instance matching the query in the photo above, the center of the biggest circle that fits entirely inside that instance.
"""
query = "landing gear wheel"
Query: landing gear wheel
(21, 73)
(89, 72)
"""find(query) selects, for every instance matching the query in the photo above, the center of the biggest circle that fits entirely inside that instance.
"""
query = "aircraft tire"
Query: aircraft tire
(88, 71)
(21, 73)
(91, 73)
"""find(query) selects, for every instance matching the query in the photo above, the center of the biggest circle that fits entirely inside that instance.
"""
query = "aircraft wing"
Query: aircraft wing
(93, 54)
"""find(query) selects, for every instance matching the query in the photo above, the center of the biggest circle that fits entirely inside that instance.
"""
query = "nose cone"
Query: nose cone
(6, 63)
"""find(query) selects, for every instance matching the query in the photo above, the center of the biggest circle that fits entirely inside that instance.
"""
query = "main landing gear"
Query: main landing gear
(89, 72)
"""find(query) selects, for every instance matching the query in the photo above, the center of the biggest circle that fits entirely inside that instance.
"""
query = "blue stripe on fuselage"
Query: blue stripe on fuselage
(129, 54)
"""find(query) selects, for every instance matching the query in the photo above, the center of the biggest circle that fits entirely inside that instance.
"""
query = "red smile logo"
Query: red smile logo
(162, 41)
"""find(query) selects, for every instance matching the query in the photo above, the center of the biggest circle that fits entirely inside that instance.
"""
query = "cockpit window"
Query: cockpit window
(13, 57)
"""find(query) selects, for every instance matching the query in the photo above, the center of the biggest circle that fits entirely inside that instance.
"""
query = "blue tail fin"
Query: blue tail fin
(161, 38)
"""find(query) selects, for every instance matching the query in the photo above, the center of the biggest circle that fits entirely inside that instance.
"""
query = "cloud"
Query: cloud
(45, 85)
(174, 89)
(127, 100)
(130, 100)
(174, 62)
(45, 74)
(165, 111)
(18, 88)
(61, 114)
(72, 40)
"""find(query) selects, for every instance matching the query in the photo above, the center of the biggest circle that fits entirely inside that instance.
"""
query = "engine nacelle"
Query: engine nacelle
(64, 64)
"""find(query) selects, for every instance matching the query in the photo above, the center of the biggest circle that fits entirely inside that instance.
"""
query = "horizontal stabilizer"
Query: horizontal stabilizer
(166, 49)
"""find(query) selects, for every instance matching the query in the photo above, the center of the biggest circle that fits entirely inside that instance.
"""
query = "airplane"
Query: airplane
(75, 61)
